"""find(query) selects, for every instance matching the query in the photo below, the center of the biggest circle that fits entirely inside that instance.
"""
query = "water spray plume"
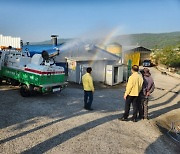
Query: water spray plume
(100, 35)
(114, 32)
(107, 39)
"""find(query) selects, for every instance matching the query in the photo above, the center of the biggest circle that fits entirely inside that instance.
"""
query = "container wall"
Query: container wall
(31, 78)
(6, 41)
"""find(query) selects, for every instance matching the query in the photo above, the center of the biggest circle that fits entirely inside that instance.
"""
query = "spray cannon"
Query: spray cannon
(48, 57)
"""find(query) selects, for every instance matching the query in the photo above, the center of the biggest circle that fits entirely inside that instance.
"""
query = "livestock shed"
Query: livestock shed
(82, 56)
(135, 53)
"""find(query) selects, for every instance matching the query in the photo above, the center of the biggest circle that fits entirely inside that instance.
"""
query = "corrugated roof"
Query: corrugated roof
(86, 59)
(126, 48)
(135, 48)
(82, 52)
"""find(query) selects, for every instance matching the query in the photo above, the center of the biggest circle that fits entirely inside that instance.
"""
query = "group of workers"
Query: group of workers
(139, 87)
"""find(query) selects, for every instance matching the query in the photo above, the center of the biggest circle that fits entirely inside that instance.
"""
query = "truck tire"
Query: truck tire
(14, 83)
(24, 91)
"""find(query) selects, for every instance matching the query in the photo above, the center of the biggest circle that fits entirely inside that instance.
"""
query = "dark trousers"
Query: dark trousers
(129, 100)
(88, 98)
(143, 106)
(140, 105)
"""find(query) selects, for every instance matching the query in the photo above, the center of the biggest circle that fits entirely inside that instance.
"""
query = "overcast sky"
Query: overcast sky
(36, 20)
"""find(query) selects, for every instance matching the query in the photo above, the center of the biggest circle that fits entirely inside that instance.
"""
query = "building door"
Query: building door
(115, 75)
(82, 71)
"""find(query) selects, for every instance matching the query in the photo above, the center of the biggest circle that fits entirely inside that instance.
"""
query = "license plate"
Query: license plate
(56, 89)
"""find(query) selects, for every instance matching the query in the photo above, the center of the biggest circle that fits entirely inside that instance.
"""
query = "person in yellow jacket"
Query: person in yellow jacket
(88, 86)
(131, 94)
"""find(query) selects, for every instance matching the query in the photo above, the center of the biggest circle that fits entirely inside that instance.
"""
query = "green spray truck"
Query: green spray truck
(38, 73)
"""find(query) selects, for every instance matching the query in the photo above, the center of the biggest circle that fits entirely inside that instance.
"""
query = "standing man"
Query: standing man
(131, 94)
(88, 89)
(148, 88)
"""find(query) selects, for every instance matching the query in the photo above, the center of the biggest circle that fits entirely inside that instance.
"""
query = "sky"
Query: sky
(36, 20)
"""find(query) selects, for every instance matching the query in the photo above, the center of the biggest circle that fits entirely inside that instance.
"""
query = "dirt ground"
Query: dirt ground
(57, 123)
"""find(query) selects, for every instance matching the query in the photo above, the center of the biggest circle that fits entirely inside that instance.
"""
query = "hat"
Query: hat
(141, 71)
(147, 72)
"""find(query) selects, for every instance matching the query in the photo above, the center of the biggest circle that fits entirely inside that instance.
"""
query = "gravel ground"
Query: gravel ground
(57, 123)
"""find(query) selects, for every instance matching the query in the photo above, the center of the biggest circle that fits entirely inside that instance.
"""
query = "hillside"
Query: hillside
(60, 41)
(149, 40)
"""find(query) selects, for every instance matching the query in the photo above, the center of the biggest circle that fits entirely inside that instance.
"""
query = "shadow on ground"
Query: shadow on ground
(163, 110)
(59, 139)
(23, 112)
(164, 139)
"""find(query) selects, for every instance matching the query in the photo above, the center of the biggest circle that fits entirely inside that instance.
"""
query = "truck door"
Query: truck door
(0, 60)
(2, 56)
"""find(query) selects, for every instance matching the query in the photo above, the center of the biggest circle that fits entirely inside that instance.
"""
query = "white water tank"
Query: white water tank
(36, 59)
(6, 41)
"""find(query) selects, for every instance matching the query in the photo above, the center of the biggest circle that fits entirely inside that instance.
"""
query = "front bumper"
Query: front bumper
(51, 88)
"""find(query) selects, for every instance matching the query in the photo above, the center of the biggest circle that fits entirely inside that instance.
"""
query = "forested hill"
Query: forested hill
(60, 41)
(149, 40)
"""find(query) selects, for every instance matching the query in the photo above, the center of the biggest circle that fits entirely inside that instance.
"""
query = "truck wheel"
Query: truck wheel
(24, 91)
(14, 83)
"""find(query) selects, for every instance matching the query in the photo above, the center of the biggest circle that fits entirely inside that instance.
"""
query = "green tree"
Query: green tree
(169, 56)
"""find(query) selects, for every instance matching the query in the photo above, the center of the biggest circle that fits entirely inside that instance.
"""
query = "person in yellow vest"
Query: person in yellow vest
(88, 86)
(131, 94)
